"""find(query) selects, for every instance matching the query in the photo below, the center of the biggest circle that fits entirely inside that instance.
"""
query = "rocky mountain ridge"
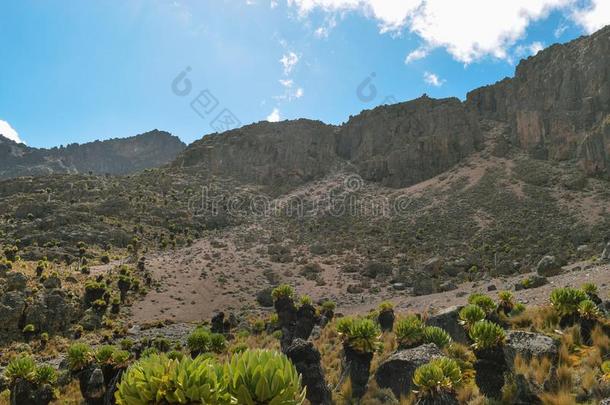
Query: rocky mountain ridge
(557, 107)
(113, 156)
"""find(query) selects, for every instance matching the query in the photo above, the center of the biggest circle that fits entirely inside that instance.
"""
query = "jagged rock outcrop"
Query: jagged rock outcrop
(114, 156)
(12, 305)
(558, 103)
(406, 143)
(51, 311)
(395, 145)
(289, 152)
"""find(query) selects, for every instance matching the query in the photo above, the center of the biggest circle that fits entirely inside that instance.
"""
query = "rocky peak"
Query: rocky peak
(114, 156)
(558, 103)
(396, 145)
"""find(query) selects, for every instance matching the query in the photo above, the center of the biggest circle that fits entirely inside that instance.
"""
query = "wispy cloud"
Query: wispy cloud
(417, 54)
(289, 61)
(433, 79)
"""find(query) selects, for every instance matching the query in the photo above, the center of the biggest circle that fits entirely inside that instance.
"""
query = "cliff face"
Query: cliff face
(558, 103)
(289, 152)
(396, 145)
(406, 143)
(115, 156)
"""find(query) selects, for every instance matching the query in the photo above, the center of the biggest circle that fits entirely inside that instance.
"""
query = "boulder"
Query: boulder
(529, 345)
(12, 305)
(52, 282)
(16, 281)
(448, 319)
(548, 266)
(306, 358)
(396, 373)
(51, 311)
(91, 320)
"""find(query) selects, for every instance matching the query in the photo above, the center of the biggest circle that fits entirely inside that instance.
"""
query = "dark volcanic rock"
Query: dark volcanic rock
(529, 345)
(397, 371)
(306, 359)
(113, 156)
(12, 305)
(406, 143)
(558, 104)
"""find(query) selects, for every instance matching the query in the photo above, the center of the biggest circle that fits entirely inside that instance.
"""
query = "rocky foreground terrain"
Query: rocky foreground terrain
(429, 252)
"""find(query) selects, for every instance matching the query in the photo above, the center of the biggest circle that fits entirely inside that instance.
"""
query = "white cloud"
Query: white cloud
(468, 29)
(273, 4)
(9, 132)
(433, 79)
(289, 61)
(417, 54)
(274, 116)
(527, 50)
(594, 17)
(299, 92)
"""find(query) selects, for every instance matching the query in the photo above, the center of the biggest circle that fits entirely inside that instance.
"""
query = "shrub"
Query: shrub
(120, 358)
(486, 303)
(566, 300)
(263, 377)
(80, 355)
(386, 306)
(471, 314)
(199, 341)
(282, 291)
(588, 310)
(409, 331)
(218, 343)
(29, 328)
(436, 335)
(487, 335)
(149, 351)
(440, 375)
(361, 334)
(158, 379)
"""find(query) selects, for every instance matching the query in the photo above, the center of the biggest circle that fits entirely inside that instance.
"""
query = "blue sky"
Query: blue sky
(79, 71)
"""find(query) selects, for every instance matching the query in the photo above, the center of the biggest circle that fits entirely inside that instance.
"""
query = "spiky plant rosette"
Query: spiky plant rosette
(360, 334)
(263, 377)
(438, 376)
(566, 300)
(471, 314)
(487, 335)
(409, 331)
(588, 310)
(485, 302)
(158, 379)
(436, 335)
(23, 367)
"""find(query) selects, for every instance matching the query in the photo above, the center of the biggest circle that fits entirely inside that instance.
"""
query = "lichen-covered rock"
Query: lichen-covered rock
(529, 345)
(606, 253)
(397, 371)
